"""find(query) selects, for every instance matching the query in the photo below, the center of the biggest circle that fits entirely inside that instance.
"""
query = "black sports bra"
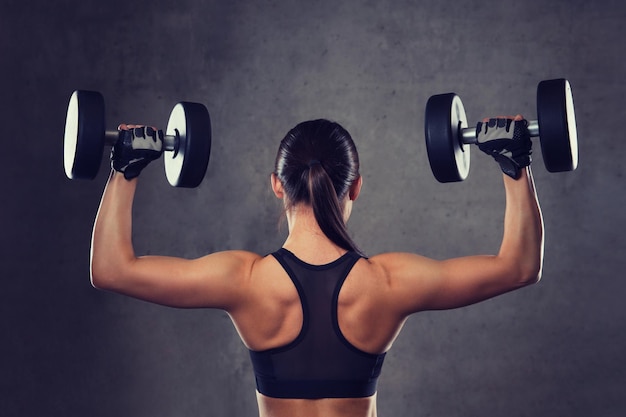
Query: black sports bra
(320, 362)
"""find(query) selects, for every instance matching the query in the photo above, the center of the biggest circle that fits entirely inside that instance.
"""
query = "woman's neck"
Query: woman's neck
(306, 239)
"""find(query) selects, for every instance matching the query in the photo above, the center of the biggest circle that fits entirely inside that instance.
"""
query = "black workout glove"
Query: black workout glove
(135, 149)
(508, 142)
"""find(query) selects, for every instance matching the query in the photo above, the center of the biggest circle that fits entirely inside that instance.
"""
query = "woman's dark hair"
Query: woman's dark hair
(317, 163)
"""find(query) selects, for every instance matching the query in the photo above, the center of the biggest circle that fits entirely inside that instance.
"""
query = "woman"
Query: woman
(317, 316)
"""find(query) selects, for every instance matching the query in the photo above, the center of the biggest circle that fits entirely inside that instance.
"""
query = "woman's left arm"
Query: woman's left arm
(216, 280)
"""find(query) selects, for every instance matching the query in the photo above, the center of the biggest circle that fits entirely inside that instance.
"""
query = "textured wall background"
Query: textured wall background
(260, 67)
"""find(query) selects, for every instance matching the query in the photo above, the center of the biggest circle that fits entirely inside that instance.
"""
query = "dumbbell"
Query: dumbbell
(448, 136)
(186, 142)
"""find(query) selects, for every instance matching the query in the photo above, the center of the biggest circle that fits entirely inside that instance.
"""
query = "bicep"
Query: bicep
(213, 281)
(420, 283)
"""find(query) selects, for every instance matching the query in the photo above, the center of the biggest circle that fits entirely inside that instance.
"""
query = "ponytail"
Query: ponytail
(327, 208)
(317, 164)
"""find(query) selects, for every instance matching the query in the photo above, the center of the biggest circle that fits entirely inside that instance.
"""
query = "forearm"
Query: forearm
(111, 245)
(522, 243)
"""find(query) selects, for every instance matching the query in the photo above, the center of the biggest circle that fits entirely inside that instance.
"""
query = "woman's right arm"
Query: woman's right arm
(416, 283)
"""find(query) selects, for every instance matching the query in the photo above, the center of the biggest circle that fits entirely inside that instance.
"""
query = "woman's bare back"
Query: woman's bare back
(325, 407)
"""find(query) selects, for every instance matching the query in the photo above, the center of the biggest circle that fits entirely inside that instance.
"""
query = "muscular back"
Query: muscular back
(272, 314)
(273, 317)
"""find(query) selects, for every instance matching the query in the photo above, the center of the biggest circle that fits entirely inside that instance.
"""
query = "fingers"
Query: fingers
(125, 126)
(141, 133)
(515, 118)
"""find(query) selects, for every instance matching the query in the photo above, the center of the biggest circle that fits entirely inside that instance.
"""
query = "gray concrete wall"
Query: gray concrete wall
(260, 67)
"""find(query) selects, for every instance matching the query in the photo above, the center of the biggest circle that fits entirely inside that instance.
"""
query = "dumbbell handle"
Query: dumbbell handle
(169, 141)
(468, 134)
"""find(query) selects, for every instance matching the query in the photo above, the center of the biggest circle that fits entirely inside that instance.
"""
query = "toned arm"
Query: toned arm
(215, 280)
(417, 283)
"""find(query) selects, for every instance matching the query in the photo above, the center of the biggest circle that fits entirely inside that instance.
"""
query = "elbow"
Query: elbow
(103, 275)
(97, 281)
(99, 277)
(526, 268)
(531, 279)
(108, 270)
(523, 272)
(530, 274)
(535, 270)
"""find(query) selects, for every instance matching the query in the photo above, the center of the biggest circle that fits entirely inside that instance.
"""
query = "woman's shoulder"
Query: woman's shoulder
(390, 260)
(239, 263)
(392, 264)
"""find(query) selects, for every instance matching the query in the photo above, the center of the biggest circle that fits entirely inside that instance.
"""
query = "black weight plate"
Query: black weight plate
(187, 164)
(449, 157)
(557, 125)
(83, 142)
